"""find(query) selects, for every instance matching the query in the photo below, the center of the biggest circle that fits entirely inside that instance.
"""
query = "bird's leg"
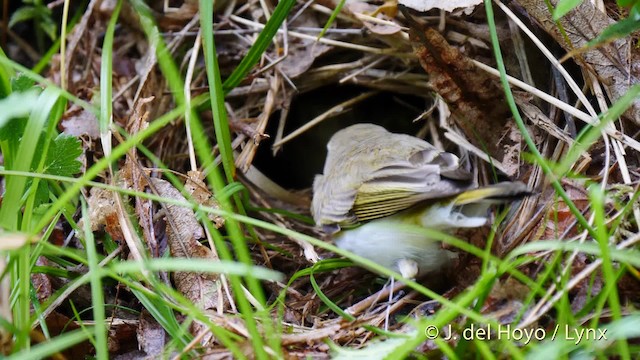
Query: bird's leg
(408, 268)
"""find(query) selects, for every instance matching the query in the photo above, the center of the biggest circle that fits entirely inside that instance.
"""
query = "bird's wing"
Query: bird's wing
(331, 203)
(371, 173)
(426, 174)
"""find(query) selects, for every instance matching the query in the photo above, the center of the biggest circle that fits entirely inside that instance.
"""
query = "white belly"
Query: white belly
(388, 242)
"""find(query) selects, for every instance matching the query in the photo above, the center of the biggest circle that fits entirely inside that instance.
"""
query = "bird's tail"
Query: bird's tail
(497, 193)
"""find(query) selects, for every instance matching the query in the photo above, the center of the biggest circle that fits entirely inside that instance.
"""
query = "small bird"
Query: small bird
(376, 182)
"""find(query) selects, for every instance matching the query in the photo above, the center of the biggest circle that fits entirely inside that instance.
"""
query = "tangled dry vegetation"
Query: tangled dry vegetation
(438, 65)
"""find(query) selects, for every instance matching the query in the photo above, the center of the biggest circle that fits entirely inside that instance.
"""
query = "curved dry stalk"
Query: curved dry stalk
(187, 95)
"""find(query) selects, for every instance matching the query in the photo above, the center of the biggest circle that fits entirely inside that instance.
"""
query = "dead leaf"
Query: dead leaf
(475, 99)
(511, 146)
(506, 305)
(586, 289)
(139, 119)
(57, 324)
(81, 123)
(302, 52)
(560, 221)
(121, 335)
(41, 282)
(201, 194)
(77, 35)
(183, 230)
(382, 29)
(133, 174)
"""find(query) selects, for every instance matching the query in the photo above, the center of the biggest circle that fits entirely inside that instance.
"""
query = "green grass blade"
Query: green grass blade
(197, 265)
(6, 73)
(48, 348)
(106, 86)
(97, 294)
(216, 94)
(332, 18)
(596, 197)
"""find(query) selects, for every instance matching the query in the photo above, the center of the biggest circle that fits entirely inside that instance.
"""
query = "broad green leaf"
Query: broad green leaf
(22, 14)
(21, 83)
(62, 158)
(41, 200)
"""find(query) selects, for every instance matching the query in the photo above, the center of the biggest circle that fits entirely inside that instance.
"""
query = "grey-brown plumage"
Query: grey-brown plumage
(371, 173)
